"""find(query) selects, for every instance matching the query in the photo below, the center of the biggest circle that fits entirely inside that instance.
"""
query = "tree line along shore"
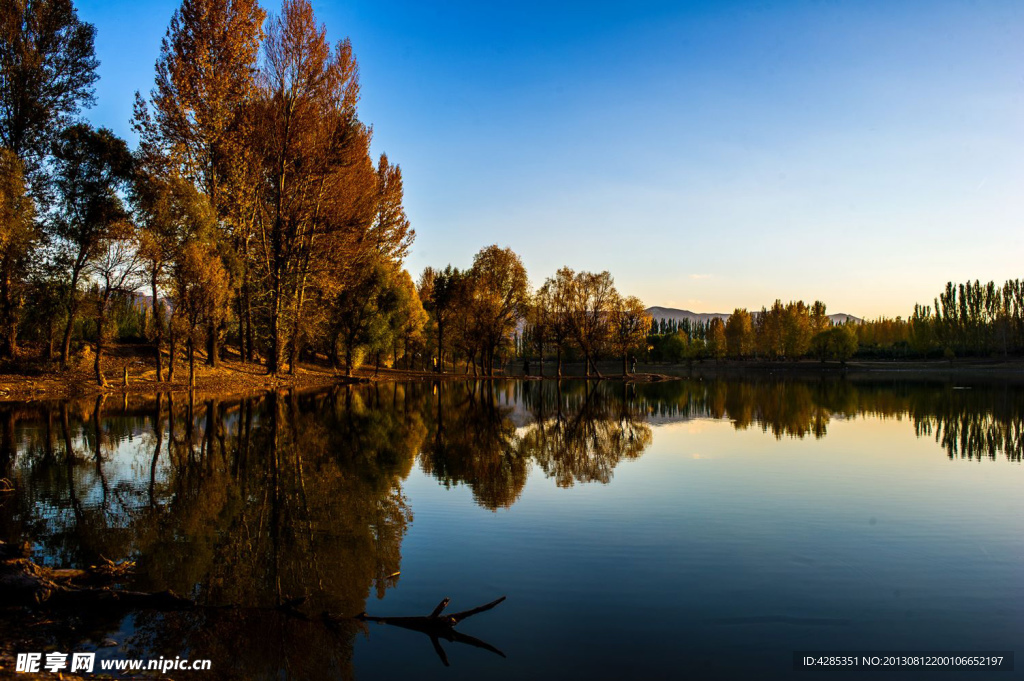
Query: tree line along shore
(251, 225)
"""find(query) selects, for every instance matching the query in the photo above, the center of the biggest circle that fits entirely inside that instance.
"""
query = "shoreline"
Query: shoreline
(235, 377)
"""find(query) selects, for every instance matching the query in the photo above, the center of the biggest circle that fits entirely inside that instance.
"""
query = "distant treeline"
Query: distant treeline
(968, 320)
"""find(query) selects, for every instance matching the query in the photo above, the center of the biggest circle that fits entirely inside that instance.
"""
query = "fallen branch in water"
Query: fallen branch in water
(438, 626)
(26, 583)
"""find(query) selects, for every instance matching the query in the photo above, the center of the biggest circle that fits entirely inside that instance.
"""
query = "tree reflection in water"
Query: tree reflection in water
(256, 501)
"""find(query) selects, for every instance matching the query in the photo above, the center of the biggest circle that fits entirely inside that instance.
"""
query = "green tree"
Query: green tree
(841, 342)
(440, 293)
(360, 313)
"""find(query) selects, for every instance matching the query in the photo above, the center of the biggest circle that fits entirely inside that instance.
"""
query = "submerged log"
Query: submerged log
(438, 626)
(25, 583)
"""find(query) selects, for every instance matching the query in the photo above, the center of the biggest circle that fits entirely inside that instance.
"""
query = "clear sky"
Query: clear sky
(711, 155)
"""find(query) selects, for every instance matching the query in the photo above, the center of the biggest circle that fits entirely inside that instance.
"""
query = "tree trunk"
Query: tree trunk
(625, 368)
(173, 351)
(65, 352)
(440, 348)
(213, 344)
(158, 327)
(51, 339)
(558, 354)
(10, 320)
(348, 359)
(250, 350)
(274, 356)
(191, 361)
(240, 312)
(101, 323)
(332, 354)
(293, 353)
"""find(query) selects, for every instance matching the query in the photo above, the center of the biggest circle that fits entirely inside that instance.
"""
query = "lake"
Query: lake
(687, 528)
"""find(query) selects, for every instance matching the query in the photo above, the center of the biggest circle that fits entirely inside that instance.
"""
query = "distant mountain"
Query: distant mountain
(671, 313)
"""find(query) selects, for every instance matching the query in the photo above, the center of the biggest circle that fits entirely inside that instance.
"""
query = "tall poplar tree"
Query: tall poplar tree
(205, 84)
(318, 178)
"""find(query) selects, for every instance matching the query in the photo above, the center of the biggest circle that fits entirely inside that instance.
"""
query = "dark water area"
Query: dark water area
(691, 528)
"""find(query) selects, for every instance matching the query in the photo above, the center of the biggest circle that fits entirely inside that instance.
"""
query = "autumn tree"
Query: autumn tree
(717, 343)
(200, 292)
(169, 212)
(819, 318)
(589, 309)
(48, 69)
(202, 102)
(560, 291)
(739, 334)
(439, 291)
(318, 178)
(770, 331)
(117, 270)
(390, 234)
(500, 291)
(408, 320)
(539, 318)
(796, 323)
(92, 167)
(17, 238)
(629, 325)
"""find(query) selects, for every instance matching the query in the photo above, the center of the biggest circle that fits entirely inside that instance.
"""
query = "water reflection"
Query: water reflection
(968, 422)
(255, 502)
(248, 503)
(581, 433)
(485, 435)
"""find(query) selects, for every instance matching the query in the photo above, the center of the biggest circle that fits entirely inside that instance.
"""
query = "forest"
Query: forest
(251, 221)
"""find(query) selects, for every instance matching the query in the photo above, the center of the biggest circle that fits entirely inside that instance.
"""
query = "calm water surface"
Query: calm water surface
(703, 529)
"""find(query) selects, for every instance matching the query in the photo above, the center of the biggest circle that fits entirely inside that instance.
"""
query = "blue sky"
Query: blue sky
(710, 155)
